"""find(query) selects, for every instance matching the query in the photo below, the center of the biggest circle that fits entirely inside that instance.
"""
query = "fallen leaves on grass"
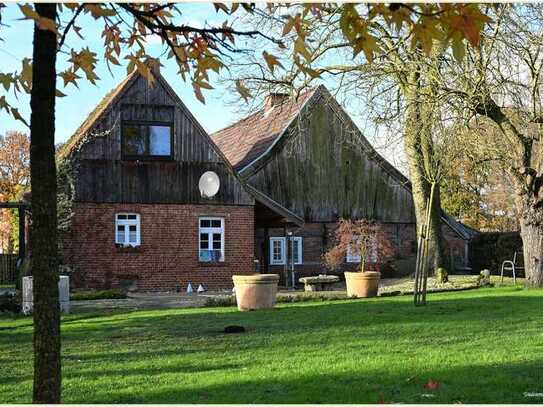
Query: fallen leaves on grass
(431, 385)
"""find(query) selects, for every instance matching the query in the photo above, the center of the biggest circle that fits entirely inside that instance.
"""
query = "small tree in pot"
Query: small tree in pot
(362, 239)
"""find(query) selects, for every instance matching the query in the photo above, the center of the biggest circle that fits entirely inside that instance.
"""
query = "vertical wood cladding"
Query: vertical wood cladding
(102, 176)
(324, 170)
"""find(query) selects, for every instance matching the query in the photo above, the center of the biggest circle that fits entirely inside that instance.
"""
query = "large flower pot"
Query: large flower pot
(362, 285)
(256, 291)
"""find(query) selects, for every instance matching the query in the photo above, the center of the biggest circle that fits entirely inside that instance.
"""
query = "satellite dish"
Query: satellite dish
(209, 184)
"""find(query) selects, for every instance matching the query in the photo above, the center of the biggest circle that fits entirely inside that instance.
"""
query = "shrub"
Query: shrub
(11, 302)
(112, 294)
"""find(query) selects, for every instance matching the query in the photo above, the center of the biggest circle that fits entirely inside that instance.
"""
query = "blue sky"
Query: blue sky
(79, 102)
(72, 109)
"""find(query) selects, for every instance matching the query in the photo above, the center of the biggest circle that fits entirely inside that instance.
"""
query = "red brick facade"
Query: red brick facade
(317, 237)
(167, 258)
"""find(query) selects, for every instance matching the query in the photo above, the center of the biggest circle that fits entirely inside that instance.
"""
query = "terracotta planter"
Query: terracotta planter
(256, 291)
(362, 285)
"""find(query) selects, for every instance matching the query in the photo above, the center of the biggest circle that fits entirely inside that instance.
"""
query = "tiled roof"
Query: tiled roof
(246, 140)
(93, 116)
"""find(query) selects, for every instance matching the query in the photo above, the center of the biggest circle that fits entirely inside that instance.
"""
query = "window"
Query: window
(146, 140)
(297, 250)
(371, 256)
(277, 250)
(211, 242)
(127, 229)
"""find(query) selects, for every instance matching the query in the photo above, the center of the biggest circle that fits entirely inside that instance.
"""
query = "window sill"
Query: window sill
(128, 249)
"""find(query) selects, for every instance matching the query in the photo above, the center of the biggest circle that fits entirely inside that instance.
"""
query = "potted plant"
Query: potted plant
(255, 291)
(361, 241)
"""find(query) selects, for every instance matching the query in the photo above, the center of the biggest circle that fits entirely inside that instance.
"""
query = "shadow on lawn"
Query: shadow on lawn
(314, 315)
(499, 383)
(208, 322)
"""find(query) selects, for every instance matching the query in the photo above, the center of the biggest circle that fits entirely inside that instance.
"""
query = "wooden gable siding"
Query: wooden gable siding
(324, 170)
(102, 176)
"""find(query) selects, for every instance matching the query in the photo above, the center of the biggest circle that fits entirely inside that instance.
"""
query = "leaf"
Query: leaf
(69, 77)
(289, 24)
(459, 49)
(25, 77)
(98, 11)
(6, 80)
(221, 6)
(271, 61)
(45, 23)
(59, 94)
(242, 90)
(4, 104)
(198, 92)
(29, 12)
(17, 116)
(300, 48)
(431, 385)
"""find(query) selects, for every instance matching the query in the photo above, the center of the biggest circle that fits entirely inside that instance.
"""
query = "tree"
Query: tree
(363, 238)
(198, 51)
(497, 90)
(381, 59)
(14, 181)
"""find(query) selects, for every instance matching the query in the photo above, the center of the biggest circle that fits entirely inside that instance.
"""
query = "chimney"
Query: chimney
(274, 99)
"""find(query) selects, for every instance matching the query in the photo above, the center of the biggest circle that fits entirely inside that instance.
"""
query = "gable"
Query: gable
(322, 168)
(103, 175)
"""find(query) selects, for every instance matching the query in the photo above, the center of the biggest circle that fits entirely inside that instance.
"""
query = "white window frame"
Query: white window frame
(298, 240)
(126, 223)
(282, 242)
(210, 231)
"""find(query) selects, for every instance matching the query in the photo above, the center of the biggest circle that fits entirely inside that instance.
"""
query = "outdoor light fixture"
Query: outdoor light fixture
(209, 184)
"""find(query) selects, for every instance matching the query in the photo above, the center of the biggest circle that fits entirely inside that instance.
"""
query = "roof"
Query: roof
(274, 206)
(252, 137)
(94, 115)
(246, 140)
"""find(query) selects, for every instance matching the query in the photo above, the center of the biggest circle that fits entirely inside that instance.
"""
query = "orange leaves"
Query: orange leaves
(431, 385)
(271, 61)
(43, 23)
(69, 77)
(86, 61)
(242, 90)
(98, 10)
(469, 21)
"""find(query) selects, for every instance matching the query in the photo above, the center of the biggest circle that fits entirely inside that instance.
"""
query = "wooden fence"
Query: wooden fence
(8, 268)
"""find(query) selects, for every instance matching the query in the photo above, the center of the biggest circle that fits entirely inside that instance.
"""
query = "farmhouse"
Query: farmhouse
(131, 209)
(307, 155)
(136, 211)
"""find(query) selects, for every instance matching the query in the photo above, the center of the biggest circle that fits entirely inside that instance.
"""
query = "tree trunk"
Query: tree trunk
(531, 231)
(419, 150)
(43, 232)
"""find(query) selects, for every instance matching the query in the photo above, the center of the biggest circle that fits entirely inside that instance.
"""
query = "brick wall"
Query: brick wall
(317, 237)
(167, 258)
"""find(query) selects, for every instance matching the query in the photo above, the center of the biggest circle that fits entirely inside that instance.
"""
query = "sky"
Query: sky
(79, 102)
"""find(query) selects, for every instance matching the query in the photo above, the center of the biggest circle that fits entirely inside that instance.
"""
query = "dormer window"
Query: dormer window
(146, 140)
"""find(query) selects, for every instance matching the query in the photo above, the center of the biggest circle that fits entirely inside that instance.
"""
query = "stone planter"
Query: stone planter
(362, 285)
(255, 291)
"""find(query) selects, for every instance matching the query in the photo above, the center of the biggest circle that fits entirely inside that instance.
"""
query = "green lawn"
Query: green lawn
(481, 346)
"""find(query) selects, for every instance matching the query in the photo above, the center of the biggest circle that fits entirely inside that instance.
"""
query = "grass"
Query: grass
(481, 346)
